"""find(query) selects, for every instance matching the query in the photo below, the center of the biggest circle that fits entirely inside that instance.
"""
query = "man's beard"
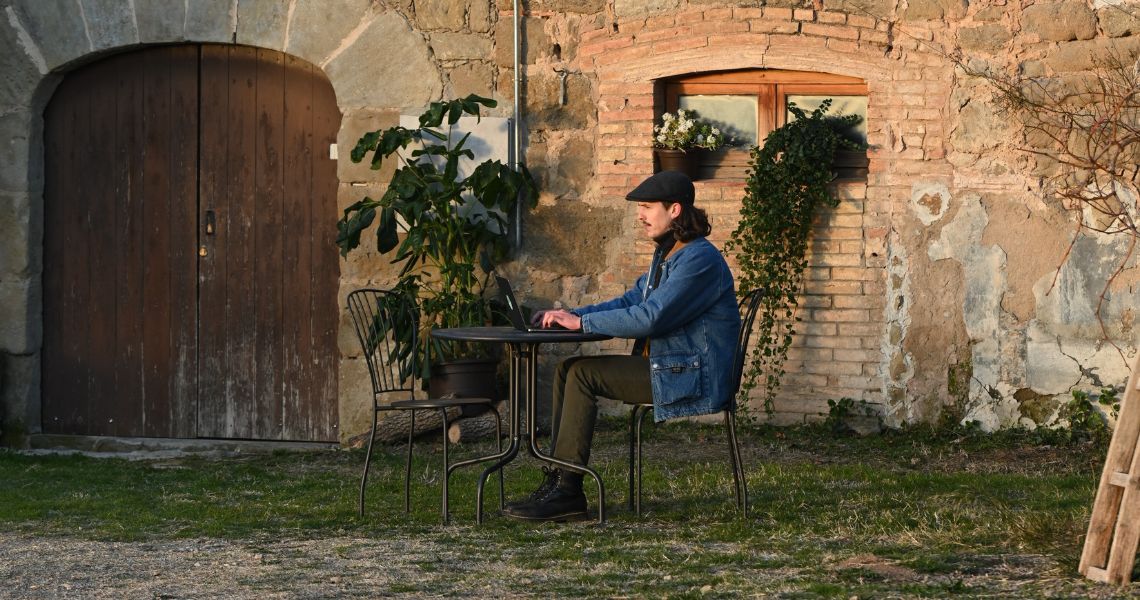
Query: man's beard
(666, 240)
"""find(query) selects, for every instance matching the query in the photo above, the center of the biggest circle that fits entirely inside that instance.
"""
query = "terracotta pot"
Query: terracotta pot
(678, 160)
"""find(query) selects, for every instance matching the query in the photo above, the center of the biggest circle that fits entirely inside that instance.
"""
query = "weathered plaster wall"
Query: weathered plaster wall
(931, 291)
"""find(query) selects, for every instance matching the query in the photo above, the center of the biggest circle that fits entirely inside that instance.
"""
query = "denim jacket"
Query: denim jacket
(691, 320)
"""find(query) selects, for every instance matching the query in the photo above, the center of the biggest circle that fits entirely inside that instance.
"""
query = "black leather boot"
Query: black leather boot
(549, 480)
(564, 501)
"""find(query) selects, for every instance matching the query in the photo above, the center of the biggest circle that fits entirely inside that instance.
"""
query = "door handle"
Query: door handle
(211, 222)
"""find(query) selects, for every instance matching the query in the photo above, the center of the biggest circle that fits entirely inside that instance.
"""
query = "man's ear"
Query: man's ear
(675, 210)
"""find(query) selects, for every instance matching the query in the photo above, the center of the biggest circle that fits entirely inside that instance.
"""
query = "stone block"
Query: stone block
(1088, 54)
(460, 46)
(990, 14)
(544, 108)
(536, 43)
(626, 9)
(17, 168)
(990, 38)
(354, 125)
(575, 169)
(551, 246)
(21, 331)
(581, 7)
(472, 78)
(19, 397)
(56, 29)
(110, 23)
(388, 66)
(881, 10)
(1059, 21)
(935, 10)
(1116, 21)
(160, 20)
(210, 21)
(979, 128)
(439, 15)
(17, 256)
(262, 23)
(480, 16)
(19, 74)
(319, 27)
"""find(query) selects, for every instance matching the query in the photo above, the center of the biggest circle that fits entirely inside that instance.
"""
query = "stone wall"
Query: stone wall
(941, 286)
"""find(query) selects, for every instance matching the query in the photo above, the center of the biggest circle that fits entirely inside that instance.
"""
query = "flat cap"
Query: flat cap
(666, 186)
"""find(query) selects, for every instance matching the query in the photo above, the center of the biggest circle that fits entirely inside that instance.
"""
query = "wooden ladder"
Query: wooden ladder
(1110, 547)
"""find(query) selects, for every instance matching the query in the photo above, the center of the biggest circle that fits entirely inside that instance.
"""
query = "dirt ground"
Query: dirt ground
(352, 567)
(51, 568)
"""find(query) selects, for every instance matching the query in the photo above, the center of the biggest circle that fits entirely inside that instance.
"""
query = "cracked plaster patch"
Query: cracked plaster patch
(899, 369)
(983, 267)
(929, 201)
(1065, 348)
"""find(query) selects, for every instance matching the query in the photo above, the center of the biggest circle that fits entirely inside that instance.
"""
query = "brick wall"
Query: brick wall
(842, 348)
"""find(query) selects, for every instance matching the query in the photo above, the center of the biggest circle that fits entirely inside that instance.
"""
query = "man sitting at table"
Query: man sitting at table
(684, 318)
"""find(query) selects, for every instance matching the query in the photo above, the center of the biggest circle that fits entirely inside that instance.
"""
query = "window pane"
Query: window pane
(735, 116)
(840, 105)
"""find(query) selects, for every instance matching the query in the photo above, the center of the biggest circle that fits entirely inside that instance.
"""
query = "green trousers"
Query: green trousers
(578, 384)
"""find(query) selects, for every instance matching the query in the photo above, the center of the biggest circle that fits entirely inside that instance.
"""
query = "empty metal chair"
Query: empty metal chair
(379, 318)
(749, 304)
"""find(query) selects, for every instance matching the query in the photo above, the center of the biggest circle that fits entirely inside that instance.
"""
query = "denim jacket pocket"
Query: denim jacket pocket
(676, 378)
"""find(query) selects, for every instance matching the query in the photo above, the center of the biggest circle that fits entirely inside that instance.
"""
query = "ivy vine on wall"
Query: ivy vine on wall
(788, 180)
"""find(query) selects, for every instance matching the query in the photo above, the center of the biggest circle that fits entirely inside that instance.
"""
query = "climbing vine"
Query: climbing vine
(788, 180)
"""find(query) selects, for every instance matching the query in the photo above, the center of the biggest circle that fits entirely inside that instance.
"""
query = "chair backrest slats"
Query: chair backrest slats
(379, 317)
(749, 306)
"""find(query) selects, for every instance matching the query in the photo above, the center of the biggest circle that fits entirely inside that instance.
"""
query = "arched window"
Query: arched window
(747, 104)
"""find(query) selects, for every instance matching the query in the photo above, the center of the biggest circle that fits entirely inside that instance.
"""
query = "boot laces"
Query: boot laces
(550, 477)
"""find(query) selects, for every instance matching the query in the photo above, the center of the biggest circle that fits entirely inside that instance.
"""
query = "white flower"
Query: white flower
(715, 131)
(666, 117)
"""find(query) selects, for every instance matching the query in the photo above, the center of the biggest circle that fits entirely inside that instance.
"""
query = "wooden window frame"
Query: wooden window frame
(771, 86)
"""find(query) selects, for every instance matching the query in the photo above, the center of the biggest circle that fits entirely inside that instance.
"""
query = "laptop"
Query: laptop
(515, 311)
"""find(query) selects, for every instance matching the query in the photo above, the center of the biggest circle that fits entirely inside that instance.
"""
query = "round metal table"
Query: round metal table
(523, 348)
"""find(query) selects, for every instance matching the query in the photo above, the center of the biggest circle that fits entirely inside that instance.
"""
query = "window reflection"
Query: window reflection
(734, 115)
(840, 105)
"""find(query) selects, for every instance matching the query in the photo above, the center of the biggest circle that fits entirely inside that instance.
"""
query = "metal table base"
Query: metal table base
(523, 349)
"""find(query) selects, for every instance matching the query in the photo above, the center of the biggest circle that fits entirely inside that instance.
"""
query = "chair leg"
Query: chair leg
(499, 449)
(408, 466)
(367, 463)
(737, 463)
(642, 411)
(446, 471)
(632, 450)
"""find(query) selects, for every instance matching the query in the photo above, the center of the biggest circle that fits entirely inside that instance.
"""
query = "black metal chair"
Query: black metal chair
(375, 314)
(749, 305)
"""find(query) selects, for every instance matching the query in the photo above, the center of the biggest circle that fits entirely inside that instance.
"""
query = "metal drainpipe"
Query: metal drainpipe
(516, 138)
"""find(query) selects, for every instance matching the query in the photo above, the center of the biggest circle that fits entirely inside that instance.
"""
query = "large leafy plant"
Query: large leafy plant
(446, 231)
(788, 181)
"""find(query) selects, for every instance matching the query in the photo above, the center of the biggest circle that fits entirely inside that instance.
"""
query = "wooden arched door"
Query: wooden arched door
(190, 274)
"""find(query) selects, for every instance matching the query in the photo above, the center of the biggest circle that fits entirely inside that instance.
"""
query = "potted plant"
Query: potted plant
(446, 231)
(677, 138)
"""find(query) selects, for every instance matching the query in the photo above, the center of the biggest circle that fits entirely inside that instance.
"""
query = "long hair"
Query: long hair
(692, 223)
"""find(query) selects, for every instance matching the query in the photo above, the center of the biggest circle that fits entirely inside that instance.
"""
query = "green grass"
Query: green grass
(921, 513)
